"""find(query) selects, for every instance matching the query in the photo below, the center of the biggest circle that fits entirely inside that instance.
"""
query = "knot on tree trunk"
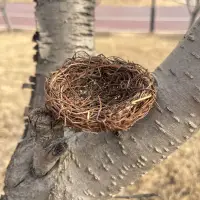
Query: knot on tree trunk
(50, 143)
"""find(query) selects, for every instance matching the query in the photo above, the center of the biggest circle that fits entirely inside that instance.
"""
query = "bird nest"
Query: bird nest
(96, 93)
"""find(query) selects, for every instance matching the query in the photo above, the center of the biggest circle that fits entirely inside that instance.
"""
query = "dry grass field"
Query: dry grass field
(126, 2)
(15, 67)
(175, 179)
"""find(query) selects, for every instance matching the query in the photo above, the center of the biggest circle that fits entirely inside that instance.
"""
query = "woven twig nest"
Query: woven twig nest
(96, 93)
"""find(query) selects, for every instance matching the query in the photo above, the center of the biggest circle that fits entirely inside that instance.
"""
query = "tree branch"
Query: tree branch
(108, 163)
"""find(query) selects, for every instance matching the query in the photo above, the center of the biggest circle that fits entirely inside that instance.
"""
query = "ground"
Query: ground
(175, 179)
(127, 2)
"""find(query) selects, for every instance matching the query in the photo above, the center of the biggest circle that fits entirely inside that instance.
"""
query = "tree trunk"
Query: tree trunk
(63, 27)
(52, 164)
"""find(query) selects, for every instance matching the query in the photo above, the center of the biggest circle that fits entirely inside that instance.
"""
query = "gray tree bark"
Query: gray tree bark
(50, 163)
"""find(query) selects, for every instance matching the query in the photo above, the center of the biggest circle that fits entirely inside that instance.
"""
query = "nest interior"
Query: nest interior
(96, 93)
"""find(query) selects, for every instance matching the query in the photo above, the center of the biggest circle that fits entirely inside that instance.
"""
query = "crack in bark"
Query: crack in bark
(19, 183)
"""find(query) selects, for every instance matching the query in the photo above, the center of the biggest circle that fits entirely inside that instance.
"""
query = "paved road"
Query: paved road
(111, 19)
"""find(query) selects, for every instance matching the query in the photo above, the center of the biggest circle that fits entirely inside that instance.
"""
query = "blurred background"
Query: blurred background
(144, 31)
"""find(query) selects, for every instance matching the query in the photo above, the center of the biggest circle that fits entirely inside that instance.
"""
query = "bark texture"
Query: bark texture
(55, 164)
